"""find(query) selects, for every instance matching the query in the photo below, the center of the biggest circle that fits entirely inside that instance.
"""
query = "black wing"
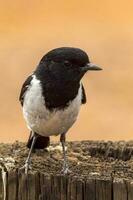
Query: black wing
(83, 95)
(24, 89)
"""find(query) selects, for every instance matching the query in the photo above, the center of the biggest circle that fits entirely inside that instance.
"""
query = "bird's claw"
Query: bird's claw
(26, 167)
(65, 170)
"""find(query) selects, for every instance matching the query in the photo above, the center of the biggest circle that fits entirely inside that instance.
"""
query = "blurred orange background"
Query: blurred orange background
(103, 28)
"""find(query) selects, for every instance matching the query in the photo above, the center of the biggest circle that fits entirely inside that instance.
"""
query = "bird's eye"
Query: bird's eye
(67, 63)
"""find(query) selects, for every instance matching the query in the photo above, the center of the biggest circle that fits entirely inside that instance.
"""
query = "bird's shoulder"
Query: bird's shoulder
(24, 88)
(83, 95)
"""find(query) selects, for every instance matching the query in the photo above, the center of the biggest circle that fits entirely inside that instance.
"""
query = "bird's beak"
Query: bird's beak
(91, 66)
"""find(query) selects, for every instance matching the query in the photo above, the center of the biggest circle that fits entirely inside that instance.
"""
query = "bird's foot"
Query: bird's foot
(26, 167)
(65, 170)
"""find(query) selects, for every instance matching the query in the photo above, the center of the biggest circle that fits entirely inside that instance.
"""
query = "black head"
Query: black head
(67, 63)
(67, 54)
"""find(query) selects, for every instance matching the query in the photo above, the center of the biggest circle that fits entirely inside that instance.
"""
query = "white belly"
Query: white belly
(41, 120)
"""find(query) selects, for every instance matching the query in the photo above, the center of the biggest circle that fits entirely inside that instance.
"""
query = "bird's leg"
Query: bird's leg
(65, 169)
(26, 166)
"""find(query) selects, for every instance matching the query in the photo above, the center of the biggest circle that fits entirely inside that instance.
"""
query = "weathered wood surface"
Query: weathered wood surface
(100, 171)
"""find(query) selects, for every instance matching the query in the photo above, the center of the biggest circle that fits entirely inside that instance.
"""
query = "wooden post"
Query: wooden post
(1, 186)
(101, 178)
(22, 187)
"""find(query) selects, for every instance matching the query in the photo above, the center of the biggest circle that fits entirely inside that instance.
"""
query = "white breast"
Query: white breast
(40, 119)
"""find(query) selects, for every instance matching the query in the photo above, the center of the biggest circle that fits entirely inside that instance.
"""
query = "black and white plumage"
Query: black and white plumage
(51, 97)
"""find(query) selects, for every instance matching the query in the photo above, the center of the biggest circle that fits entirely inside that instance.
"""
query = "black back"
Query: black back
(24, 88)
(83, 95)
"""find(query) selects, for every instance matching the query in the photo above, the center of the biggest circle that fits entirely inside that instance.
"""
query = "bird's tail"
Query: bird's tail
(41, 142)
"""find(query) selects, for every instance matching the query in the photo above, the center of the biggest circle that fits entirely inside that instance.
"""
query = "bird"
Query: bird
(51, 98)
